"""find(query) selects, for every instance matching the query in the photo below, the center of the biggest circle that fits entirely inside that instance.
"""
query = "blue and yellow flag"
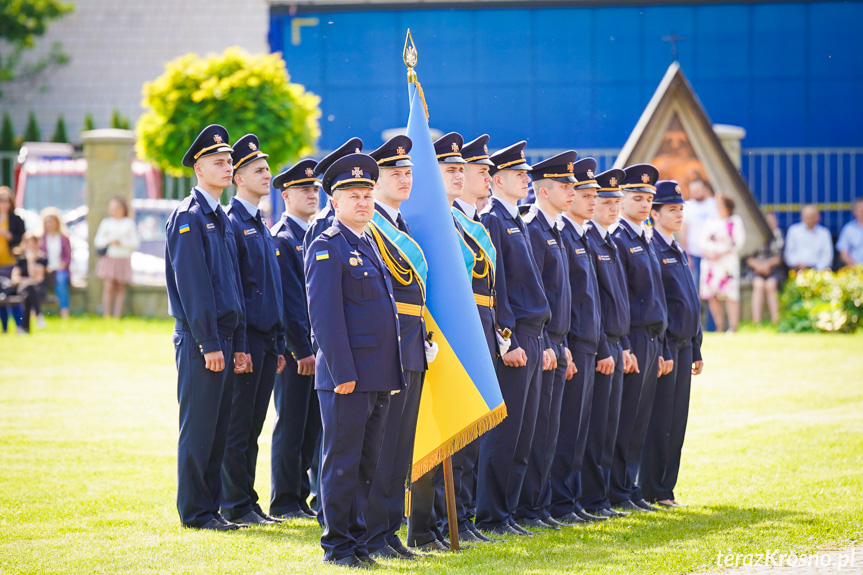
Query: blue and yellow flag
(461, 398)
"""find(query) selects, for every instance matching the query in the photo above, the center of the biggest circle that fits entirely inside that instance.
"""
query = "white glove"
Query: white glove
(431, 351)
(502, 343)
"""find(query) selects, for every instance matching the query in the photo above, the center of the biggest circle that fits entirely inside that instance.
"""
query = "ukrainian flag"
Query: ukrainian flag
(461, 398)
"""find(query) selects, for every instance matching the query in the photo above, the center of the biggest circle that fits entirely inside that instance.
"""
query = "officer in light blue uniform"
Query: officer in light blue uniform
(553, 180)
(614, 316)
(355, 324)
(324, 219)
(205, 297)
(297, 429)
(648, 320)
(660, 457)
(265, 333)
(585, 329)
(522, 309)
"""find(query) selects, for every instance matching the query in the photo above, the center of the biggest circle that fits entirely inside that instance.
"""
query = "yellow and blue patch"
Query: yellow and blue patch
(184, 228)
(322, 256)
(278, 252)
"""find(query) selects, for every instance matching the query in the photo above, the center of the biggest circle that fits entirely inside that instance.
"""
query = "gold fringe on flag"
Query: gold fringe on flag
(458, 441)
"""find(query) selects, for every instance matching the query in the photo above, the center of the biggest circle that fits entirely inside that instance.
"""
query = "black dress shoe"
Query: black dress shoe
(309, 513)
(504, 530)
(216, 525)
(433, 545)
(467, 536)
(296, 514)
(610, 513)
(524, 523)
(582, 514)
(387, 552)
(645, 505)
(350, 561)
(367, 561)
(519, 529)
(552, 522)
(570, 519)
(400, 548)
(479, 534)
(627, 506)
(252, 518)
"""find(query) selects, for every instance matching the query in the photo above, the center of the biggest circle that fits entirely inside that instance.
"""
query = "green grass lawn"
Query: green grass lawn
(88, 428)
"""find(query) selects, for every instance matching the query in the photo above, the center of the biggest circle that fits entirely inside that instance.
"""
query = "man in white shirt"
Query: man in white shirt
(808, 244)
(700, 207)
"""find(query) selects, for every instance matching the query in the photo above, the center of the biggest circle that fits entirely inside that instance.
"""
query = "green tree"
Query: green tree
(89, 122)
(7, 144)
(31, 132)
(21, 23)
(60, 131)
(118, 120)
(243, 92)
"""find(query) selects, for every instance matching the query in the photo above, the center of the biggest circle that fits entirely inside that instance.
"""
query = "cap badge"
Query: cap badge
(454, 147)
(356, 150)
(310, 172)
(400, 151)
(252, 146)
(357, 172)
(645, 178)
(570, 166)
(485, 148)
(677, 189)
(522, 154)
(612, 181)
(217, 138)
(590, 174)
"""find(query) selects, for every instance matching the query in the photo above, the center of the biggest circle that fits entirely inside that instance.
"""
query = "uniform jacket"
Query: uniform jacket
(353, 314)
(288, 239)
(322, 221)
(413, 329)
(259, 274)
(549, 252)
(681, 295)
(585, 326)
(203, 275)
(613, 297)
(521, 301)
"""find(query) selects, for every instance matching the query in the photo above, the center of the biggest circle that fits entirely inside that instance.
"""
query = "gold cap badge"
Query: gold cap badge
(400, 151)
(252, 146)
(590, 174)
(454, 147)
(357, 172)
(570, 166)
(612, 181)
(310, 172)
(217, 138)
(645, 178)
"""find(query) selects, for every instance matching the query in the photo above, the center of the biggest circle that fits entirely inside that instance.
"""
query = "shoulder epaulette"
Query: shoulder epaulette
(528, 217)
(276, 227)
(186, 203)
(331, 231)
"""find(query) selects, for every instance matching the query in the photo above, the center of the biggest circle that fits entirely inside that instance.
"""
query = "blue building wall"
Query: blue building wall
(791, 73)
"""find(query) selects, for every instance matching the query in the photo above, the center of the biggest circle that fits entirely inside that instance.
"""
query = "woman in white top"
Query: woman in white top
(115, 240)
(721, 242)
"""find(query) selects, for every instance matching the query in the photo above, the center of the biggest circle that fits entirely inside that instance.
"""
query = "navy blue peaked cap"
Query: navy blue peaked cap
(476, 151)
(609, 183)
(448, 148)
(351, 171)
(352, 146)
(640, 178)
(300, 174)
(668, 192)
(510, 158)
(585, 170)
(394, 153)
(558, 168)
(247, 150)
(212, 140)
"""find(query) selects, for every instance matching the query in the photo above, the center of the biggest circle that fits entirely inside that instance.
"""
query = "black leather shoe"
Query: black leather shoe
(520, 530)
(216, 525)
(252, 518)
(550, 521)
(433, 545)
(349, 561)
(467, 536)
(400, 548)
(610, 513)
(504, 530)
(582, 514)
(524, 523)
(366, 561)
(479, 534)
(385, 552)
(309, 511)
(297, 514)
(645, 505)
(570, 519)
(627, 506)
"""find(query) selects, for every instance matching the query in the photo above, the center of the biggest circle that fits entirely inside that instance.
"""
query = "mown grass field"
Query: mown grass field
(88, 426)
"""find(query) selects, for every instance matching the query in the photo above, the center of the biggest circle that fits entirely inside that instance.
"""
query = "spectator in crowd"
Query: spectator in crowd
(722, 238)
(58, 251)
(808, 244)
(700, 207)
(11, 232)
(850, 244)
(118, 238)
(28, 277)
(768, 272)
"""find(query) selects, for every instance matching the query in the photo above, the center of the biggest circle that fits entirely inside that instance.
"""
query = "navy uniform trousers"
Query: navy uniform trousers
(350, 468)
(384, 516)
(635, 407)
(601, 433)
(252, 391)
(297, 415)
(201, 445)
(504, 450)
(535, 494)
(660, 457)
(575, 416)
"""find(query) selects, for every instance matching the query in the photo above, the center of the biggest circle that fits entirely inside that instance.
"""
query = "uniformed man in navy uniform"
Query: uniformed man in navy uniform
(392, 188)
(583, 338)
(264, 337)
(660, 457)
(612, 350)
(324, 218)
(205, 298)
(297, 429)
(355, 324)
(475, 187)
(523, 310)
(553, 181)
(648, 321)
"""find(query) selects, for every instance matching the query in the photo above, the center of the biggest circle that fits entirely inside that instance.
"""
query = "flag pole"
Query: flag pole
(410, 58)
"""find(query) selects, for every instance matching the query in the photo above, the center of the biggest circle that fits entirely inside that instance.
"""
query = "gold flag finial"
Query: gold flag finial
(410, 57)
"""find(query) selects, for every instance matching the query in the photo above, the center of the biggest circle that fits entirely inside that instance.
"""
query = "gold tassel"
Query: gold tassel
(458, 441)
(425, 106)
(408, 501)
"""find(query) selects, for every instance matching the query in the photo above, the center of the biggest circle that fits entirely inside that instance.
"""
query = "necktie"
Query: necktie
(400, 222)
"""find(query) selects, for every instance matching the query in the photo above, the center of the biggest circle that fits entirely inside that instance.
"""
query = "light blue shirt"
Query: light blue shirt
(214, 203)
(300, 222)
(851, 241)
(810, 248)
(250, 207)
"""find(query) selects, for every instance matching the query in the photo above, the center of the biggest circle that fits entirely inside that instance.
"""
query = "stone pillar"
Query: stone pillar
(730, 137)
(109, 155)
